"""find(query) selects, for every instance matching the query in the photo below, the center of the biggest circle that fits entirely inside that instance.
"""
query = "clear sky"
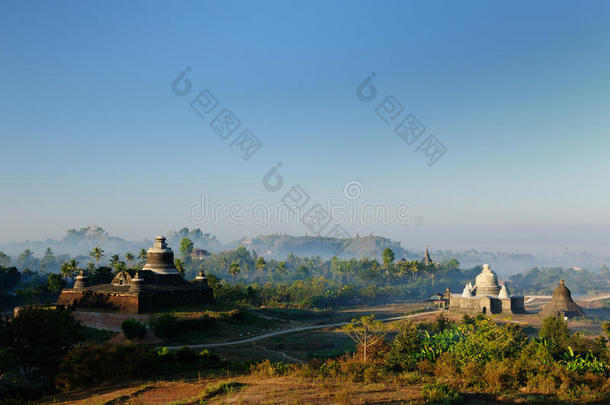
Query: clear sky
(517, 92)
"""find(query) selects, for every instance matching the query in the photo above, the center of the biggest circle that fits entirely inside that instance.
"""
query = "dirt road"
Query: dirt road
(292, 330)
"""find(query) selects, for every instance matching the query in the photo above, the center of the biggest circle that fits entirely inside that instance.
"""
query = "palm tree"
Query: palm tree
(73, 268)
(234, 270)
(129, 257)
(142, 254)
(114, 262)
(179, 263)
(97, 253)
(260, 264)
(90, 267)
(414, 268)
(281, 267)
(65, 270)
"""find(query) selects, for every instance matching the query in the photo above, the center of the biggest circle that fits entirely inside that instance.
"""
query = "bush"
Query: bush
(441, 393)
(88, 365)
(554, 329)
(38, 338)
(405, 348)
(269, 369)
(133, 329)
(164, 325)
(186, 355)
(209, 359)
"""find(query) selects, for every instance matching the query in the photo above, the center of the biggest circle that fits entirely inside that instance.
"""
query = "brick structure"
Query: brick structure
(562, 304)
(157, 287)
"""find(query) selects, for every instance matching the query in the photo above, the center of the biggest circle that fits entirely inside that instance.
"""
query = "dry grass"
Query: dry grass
(252, 390)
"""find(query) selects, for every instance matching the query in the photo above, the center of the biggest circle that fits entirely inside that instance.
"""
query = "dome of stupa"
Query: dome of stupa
(561, 304)
(487, 282)
(160, 258)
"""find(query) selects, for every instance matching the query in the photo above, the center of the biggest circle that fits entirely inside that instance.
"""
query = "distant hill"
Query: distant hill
(278, 246)
(80, 241)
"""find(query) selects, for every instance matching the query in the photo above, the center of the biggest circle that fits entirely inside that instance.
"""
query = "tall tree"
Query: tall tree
(73, 268)
(260, 264)
(114, 262)
(48, 260)
(129, 257)
(65, 270)
(90, 267)
(26, 260)
(142, 254)
(414, 268)
(388, 257)
(97, 253)
(281, 268)
(234, 270)
(179, 263)
(367, 332)
(186, 247)
(5, 260)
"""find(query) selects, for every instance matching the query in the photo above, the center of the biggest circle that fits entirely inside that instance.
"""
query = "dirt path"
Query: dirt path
(292, 330)
(284, 355)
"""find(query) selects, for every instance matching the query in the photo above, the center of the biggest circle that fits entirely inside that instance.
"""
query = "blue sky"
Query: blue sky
(517, 92)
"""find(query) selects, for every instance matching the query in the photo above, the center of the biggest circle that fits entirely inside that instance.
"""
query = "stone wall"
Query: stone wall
(174, 298)
(99, 299)
(135, 303)
(487, 305)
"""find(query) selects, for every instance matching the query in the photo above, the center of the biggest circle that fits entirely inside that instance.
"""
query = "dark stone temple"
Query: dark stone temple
(157, 286)
(562, 304)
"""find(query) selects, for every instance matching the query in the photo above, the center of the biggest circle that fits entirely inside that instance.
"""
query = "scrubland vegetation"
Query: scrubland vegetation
(446, 360)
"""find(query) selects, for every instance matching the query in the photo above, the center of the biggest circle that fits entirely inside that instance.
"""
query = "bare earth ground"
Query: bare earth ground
(253, 390)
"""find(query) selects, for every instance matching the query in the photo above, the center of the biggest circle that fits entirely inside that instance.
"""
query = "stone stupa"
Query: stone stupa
(486, 283)
(487, 297)
(561, 304)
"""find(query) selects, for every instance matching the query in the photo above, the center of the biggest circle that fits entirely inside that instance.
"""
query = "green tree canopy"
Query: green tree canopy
(186, 248)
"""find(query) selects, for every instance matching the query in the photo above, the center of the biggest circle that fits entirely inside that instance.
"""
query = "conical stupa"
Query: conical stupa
(503, 292)
(487, 282)
(561, 304)
(427, 259)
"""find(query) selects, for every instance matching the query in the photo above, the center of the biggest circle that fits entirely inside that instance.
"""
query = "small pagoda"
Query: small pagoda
(562, 304)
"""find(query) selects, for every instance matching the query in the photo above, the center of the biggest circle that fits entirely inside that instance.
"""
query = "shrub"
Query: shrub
(186, 355)
(38, 338)
(209, 359)
(440, 392)
(133, 329)
(90, 364)
(269, 369)
(554, 329)
(164, 325)
(404, 349)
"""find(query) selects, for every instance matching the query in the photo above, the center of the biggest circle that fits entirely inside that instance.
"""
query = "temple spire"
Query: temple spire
(427, 260)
